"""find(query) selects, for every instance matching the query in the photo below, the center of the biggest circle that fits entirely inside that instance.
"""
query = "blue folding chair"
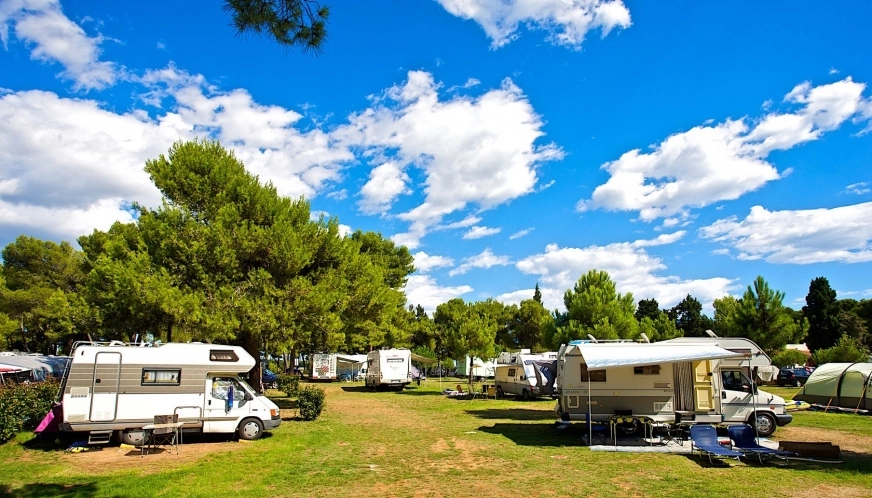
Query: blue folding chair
(705, 439)
(596, 432)
(744, 439)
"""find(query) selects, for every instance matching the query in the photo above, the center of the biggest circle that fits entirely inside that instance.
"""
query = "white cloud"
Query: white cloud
(472, 150)
(566, 21)
(663, 239)
(708, 164)
(423, 290)
(338, 195)
(478, 232)
(485, 259)
(859, 188)
(385, 183)
(515, 297)
(424, 262)
(520, 233)
(71, 154)
(67, 223)
(465, 222)
(842, 234)
(55, 38)
(630, 267)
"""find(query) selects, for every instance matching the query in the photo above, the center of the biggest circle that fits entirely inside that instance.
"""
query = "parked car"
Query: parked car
(793, 377)
(269, 379)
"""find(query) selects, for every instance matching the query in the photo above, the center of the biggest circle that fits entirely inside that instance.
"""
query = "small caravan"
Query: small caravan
(117, 388)
(694, 381)
(388, 368)
(323, 367)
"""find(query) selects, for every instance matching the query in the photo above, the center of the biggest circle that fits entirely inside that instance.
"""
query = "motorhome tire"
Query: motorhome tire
(765, 424)
(132, 436)
(500, 392)
(525, 395)
(250, 429)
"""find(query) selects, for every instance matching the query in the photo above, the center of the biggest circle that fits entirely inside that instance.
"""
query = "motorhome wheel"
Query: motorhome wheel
(797, 383)
(132, 436)
(499, 391)
(765, 424)
(250, 429)
(525, 395)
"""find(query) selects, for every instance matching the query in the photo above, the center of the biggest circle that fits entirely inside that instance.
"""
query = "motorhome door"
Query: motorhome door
(703, 386)
(104, 386)
(222, 415)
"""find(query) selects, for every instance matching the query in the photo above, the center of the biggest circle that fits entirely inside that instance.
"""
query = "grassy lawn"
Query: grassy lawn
(421, 443)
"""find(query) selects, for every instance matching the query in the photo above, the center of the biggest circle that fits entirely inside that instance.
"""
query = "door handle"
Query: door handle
(723, 394)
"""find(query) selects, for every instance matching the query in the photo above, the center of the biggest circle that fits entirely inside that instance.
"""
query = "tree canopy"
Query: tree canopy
(291, 23)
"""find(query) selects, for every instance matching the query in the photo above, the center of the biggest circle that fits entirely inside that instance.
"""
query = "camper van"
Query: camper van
(388, 368)
(695, 381)
(524, 374)
(117, 388)
(323, 367)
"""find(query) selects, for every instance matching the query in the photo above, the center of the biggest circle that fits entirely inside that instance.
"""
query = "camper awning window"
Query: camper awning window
(598, 356)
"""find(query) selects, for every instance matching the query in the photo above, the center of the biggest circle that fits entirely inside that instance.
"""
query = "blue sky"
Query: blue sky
(684, 147)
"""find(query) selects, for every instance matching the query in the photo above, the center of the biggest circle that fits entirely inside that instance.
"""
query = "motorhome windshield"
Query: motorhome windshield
(246, 386)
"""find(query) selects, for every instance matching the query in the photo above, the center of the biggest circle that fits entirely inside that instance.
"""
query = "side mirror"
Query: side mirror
(248, 396)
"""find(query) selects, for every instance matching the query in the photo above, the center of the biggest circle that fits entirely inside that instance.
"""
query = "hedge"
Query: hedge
(23, 406)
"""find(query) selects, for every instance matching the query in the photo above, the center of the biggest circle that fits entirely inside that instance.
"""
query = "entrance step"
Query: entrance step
(99, 437)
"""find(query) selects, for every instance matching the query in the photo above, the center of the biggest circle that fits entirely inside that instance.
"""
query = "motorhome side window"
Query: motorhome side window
(595, 375)
(647, 370)
(734, 380)
(161, 376)
(221, 387)
(223, 355)
(511, 372)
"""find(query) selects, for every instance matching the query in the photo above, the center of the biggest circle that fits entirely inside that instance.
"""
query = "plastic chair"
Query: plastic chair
(705, 439)
(744, 439)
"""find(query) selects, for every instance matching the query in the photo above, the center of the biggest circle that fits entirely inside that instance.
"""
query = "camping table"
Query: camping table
(646, 422)
(148, 435)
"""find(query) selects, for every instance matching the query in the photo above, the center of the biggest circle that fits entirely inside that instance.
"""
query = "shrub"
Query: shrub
(22, 406)
(288, 384)
(789, 358)
(848, 350)
(310, 401)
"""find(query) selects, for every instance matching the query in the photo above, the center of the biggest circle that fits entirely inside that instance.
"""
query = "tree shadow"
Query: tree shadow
(512, 414)
(285, 403)
(38, 490)
(415, 392)
(538, 434)
(357, 389)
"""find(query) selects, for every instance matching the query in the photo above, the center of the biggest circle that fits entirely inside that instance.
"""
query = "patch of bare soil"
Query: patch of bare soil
(853, 443)
(829, 491)
(114, 458)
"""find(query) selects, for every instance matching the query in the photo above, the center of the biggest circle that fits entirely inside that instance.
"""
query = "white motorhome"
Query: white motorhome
(323, 366)
(117, 388)
(524, 374)
(671, 381)
(481, 369)
(388, 368)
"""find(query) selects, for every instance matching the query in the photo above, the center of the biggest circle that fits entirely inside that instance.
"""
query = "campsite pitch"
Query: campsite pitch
(419, 442)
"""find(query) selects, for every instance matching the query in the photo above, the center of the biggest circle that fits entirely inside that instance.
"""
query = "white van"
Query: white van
(388, 368)
(117, 388)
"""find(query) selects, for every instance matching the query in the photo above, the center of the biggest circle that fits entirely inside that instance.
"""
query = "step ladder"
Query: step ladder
(99, 437)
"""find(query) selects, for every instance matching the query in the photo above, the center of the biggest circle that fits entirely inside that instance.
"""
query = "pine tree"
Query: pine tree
(822, 312)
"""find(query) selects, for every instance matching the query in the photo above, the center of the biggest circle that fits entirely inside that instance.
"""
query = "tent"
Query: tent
(41, 367)
(844, 385)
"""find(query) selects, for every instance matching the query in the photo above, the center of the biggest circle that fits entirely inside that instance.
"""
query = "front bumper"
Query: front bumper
(782, 420)
(272, 424)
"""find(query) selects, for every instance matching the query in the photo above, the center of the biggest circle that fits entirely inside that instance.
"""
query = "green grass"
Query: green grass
(420, 443)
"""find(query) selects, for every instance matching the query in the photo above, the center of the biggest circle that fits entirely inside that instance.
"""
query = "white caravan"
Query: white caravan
(481, 369)
(692, 381)
(388, 367)
(524, 374)
(118, 388)
(323, 366)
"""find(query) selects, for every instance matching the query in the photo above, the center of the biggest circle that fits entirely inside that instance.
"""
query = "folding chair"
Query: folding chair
(596, 432)
(705, 439)
(743, 439)
(165, 436)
